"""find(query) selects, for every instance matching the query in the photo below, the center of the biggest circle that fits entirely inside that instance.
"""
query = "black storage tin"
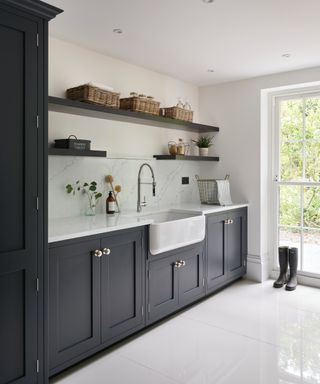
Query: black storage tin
(72, 142)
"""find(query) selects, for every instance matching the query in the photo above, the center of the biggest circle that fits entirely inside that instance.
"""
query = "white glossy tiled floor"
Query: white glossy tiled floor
(247, 334)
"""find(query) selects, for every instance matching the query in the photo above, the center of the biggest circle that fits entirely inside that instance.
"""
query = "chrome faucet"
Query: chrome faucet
(140, 203)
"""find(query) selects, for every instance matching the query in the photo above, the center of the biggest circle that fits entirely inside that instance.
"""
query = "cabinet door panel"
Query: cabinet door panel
(216, 263)
(121, 284)
(162, 288)
(74, 300)
(236, 245)
(191, 278)
(12, 325)
(18, 172)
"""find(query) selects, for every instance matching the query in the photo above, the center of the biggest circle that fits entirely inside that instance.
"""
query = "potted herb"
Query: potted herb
(203, 143)
(90, 190)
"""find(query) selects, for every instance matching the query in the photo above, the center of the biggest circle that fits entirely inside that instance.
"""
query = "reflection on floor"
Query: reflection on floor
(247, 334)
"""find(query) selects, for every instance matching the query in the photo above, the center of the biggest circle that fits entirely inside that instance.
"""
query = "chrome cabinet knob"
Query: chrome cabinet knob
(177, 264)
(97, 253)
(231, 221)
(106, 251)
(183, 263)
(226, 221)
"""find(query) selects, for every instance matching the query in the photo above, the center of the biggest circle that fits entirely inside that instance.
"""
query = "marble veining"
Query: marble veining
(169, 190)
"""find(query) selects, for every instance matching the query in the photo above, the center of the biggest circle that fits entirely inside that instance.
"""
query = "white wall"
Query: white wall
(236, 107)
(71, 65)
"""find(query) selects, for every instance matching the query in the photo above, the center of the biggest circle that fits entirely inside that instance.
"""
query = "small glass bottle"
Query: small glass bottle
(110, 204)
(181, 147)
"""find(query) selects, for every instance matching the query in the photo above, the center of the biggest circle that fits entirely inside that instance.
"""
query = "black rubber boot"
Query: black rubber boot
(293, 264)
(283, 262)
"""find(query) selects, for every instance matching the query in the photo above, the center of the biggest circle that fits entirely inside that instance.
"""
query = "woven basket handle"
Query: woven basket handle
(73, 136)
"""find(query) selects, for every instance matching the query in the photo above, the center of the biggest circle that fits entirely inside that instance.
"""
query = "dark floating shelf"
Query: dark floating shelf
(58, 104)
(75, 152)
(186, 157)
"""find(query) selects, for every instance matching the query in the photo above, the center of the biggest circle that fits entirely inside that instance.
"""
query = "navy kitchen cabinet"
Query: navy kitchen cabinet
(74, 300)
(174, 279)
(122, 284)
(23, 171)
(191, 275)
(106, 287)
(96, 294)
(162, 281)
(226, 251)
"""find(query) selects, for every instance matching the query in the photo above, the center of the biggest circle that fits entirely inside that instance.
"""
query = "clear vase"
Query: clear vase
(91, 210)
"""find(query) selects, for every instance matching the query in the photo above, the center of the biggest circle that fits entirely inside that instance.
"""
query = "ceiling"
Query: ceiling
(238, 39)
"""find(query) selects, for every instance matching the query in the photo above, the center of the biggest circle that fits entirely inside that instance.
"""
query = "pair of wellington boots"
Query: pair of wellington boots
(287, 257)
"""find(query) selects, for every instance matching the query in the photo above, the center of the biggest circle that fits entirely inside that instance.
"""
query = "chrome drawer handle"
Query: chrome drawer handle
(97, 253)
(106, 251)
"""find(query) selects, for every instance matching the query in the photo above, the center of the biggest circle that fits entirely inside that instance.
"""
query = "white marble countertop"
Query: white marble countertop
(207, 209)
(74, 227)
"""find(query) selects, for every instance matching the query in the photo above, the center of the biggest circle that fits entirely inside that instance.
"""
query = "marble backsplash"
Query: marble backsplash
(168, 174)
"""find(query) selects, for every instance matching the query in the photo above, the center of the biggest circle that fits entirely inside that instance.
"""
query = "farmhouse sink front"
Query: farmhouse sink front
(172, 230)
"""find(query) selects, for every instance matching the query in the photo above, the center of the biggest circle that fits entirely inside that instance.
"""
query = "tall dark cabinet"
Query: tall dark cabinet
(23, 201)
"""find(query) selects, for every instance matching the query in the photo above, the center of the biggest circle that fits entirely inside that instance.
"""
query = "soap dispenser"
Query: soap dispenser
(110, 204)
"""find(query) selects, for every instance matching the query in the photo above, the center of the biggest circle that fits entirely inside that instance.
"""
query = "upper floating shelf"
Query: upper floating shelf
(58, 104)
(186, 157)
(76, 152)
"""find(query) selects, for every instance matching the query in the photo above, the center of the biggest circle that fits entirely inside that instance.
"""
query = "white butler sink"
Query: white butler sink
(171, 230)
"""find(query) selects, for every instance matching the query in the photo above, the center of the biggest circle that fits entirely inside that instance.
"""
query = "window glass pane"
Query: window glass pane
(312, 113)
(291, 161)
(289, 205)
(311, 250)
(291, 120)
(312, 151)
(311, 207)
(299, 161)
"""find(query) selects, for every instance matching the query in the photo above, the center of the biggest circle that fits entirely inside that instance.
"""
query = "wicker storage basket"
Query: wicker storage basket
(94, 95)
(140, 104)
(177, 113)
(208, 190)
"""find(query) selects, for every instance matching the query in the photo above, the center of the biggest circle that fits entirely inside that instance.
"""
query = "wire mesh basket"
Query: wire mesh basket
(208, 190)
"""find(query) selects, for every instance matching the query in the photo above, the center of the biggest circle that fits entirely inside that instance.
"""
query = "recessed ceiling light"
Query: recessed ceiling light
(119, 31)
(210, 70)
(208, 1)
(286, 55)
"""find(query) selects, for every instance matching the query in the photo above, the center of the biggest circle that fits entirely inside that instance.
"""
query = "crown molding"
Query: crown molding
(36, 7)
